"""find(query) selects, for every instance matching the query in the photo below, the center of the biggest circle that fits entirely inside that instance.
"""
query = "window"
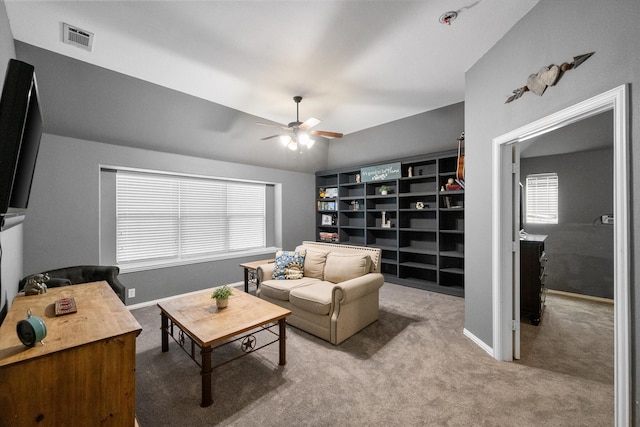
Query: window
(542, 198)
(167, 218)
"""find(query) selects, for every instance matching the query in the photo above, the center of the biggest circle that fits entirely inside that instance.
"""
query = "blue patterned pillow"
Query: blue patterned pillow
(289, 265)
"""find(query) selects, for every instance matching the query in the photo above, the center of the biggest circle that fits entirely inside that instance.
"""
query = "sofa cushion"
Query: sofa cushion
(289, 265)
(279, 289)
(341, 267)
(314, 263)
(315, 298)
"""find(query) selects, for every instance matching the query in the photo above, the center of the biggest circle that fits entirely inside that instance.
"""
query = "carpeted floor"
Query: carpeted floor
(413, 367)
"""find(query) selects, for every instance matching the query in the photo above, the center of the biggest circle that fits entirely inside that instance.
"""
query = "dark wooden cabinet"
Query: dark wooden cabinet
(419, 227)
(533, 260)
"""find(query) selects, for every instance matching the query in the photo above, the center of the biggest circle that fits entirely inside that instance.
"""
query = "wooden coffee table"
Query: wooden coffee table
(193, 320)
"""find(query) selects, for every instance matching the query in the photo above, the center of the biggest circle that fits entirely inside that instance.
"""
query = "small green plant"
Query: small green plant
(384, 188)
(221, 293)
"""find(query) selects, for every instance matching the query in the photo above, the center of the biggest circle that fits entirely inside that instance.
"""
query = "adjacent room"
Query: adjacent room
(344, 212)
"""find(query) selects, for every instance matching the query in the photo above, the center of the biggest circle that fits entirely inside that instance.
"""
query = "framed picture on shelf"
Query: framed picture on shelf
(326, 219)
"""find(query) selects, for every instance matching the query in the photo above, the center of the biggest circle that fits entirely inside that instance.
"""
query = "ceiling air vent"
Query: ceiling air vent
(77, 37)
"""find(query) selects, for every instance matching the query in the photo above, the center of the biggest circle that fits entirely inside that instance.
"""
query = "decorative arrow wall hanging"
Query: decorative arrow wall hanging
(547, 76)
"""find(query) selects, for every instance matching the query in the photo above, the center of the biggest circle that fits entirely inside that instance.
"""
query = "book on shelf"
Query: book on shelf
(326, 206)
(328, 237)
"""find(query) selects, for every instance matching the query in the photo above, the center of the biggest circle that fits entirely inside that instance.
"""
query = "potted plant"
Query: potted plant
(384, 189)
(221, 295)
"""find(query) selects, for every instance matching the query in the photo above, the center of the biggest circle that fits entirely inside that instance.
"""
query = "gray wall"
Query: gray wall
(424, 133)
(84, 101)
(62, 227)
(553, 32)
(7, 47)
(580, 249)
(11, 241)
(94, 116)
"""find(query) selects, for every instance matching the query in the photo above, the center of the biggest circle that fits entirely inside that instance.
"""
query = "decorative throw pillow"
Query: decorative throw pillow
(314, 263)
(289, 265)
(341, 267)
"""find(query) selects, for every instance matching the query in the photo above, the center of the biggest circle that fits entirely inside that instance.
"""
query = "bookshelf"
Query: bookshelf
(418, 227)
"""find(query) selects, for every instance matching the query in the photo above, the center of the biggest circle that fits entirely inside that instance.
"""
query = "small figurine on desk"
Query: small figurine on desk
(35, 284)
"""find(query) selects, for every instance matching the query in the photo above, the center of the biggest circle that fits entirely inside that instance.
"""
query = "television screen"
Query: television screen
(20, 132)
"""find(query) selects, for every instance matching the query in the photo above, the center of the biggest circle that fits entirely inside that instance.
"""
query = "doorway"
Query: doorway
(505, 331)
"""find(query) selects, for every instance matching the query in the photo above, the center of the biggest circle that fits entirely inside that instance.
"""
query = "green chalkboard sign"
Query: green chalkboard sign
(381, 172)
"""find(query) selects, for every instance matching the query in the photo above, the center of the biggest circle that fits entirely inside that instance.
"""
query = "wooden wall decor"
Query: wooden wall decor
(547, 76)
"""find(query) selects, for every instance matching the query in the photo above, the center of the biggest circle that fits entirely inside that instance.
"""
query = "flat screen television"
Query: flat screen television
(20, 132)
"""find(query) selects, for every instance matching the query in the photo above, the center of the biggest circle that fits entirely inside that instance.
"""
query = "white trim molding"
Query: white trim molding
(478, 342)
(615, 100)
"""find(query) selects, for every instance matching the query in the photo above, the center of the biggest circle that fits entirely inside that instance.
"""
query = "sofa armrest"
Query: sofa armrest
(265, 272)
(354, 289)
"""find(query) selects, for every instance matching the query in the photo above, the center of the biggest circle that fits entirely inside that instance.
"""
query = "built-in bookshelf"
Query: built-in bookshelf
(417, 223)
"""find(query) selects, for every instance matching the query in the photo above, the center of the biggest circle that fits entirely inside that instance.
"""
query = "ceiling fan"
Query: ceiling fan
(298, 132)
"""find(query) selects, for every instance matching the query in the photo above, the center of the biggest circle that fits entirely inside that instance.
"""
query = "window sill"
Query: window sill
(143, 266)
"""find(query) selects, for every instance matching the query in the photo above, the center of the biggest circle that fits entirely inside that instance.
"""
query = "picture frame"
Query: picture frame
(326, 220)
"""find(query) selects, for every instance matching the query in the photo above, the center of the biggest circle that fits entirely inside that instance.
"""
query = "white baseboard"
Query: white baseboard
(239, 285)
(478, 342)
(580, 296)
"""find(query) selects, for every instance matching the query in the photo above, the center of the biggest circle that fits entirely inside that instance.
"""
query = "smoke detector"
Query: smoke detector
(448, 17)
(77, 37)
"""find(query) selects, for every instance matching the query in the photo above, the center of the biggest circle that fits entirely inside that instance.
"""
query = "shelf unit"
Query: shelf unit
(533, 273)
(424, 246)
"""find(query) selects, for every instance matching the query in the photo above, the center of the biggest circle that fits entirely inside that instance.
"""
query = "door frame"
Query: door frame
(615, 100)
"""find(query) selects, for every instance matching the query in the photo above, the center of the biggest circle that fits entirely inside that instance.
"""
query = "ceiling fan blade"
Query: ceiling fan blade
(309, 123)
(274, 125)
(326, 134)
(269, 137)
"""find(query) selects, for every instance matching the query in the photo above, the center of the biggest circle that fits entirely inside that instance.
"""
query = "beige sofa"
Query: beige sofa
(337, 295)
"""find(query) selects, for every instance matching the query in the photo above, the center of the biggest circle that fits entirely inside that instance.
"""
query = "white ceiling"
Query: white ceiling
(357, 63)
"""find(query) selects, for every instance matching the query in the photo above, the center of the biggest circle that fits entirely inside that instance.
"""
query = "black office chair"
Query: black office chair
(83, 274)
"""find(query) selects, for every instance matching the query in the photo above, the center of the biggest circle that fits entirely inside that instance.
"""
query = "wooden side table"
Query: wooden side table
(250, 271)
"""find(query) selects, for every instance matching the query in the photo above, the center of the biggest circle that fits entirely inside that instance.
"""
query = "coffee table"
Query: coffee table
(193, 320)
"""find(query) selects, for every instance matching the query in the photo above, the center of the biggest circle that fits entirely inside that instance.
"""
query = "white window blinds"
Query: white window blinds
(172, 218)
(542, 198)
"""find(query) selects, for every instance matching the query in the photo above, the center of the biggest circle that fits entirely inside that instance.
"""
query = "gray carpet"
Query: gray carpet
(413, 367)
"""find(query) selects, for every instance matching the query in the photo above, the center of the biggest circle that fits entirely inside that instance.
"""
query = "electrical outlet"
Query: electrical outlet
(132, 292)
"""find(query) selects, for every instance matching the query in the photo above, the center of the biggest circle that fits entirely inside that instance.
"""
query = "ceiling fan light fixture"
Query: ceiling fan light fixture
(310, 143)
(293, 146)
(285, 140)
(303, 138)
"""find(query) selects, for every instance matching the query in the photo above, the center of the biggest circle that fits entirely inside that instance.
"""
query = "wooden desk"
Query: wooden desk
(83, 374)
(251, 267)
(208, 327)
